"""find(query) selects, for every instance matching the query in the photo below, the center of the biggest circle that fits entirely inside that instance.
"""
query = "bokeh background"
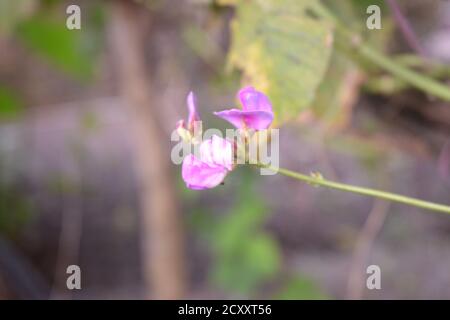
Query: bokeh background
(86, 176)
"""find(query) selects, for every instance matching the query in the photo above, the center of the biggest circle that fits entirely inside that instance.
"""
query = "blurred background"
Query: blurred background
(85, 171)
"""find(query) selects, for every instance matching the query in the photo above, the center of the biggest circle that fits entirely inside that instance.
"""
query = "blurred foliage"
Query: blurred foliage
(336, 94)
(283, 50)
(354, 13)
(13, 11)
(51, 39)
(387, 84)
(41, 26)
(301, 288)
(15, 209)
(245, 255)
(60, 183)
(339, 89)
(200, 42)
(10, 104)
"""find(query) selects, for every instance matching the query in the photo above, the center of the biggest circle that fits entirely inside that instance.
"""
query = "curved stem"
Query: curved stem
(320, 181)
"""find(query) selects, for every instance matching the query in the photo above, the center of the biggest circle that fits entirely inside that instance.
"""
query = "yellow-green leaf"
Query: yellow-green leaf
(283, 49)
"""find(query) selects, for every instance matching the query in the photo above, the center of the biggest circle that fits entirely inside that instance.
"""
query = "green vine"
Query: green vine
(319, 180)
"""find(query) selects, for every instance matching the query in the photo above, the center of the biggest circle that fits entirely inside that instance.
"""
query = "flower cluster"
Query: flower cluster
(216, 155)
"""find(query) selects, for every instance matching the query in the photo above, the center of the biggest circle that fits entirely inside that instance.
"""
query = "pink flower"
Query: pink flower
(193, 127)
(215, 159)
(256, 111)
(208, 171)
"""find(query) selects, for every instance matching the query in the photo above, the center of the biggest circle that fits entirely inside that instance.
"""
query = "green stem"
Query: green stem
(320, 181)
(415, 79)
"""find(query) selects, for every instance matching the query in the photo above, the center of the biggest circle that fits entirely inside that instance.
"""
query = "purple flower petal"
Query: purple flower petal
(216, 159)
(199, 175)
(256, 111)
(258, 120)
(192, 108)
(253, 100)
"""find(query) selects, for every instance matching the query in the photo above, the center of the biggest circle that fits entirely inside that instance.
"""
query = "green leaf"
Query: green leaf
(51, 39)
(282, 50)
(10, 105)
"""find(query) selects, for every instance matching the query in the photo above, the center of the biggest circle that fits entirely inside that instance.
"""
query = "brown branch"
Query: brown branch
(161, 229)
